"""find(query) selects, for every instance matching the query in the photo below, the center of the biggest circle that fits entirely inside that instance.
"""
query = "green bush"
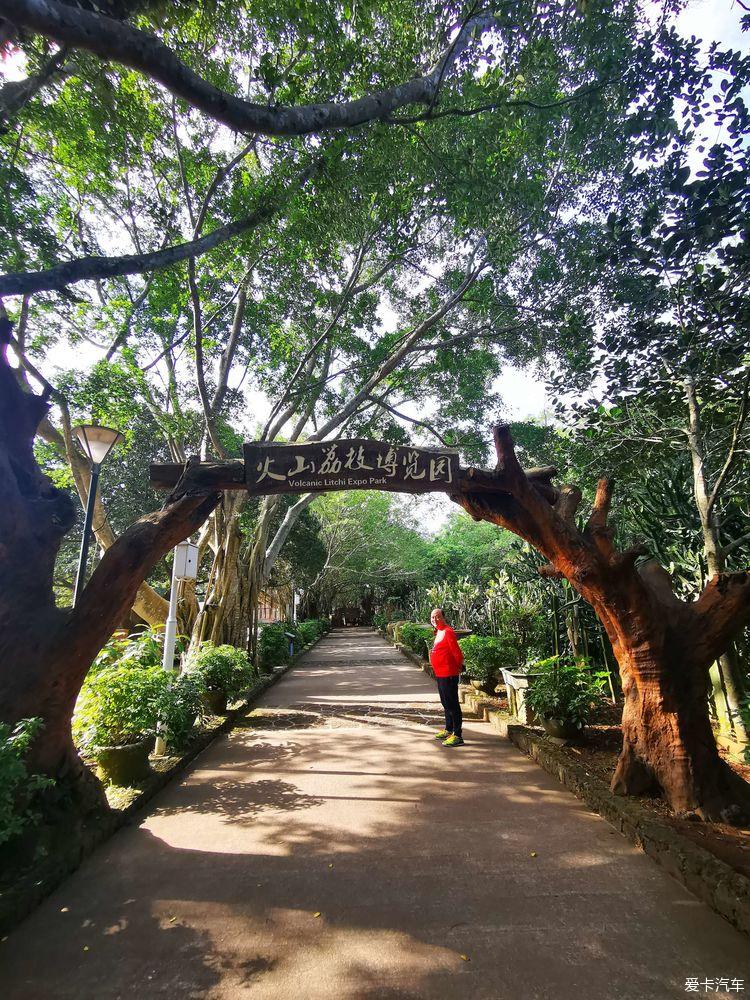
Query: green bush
(417, 638)
(273, 645)
(18, 788)
(222, 668)
(565, 690)
(119, 705)
(484, 656)
(179, 704)
(310, 630)
(124, 704)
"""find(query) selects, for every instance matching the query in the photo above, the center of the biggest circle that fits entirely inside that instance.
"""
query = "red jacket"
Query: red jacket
(445, 656)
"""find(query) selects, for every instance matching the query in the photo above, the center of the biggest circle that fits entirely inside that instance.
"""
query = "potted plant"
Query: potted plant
(116, 717)
(563, 696)
(225, 672)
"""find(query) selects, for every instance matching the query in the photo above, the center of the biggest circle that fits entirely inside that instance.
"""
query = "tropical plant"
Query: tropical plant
(565, 690)
(18, 788)
(457, 599)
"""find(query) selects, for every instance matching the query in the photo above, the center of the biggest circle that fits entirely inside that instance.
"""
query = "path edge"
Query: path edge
(711, 880)
(21, 898)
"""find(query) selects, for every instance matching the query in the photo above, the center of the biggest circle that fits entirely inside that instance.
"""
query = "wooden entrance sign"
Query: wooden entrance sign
(351, 464)
(354, 464)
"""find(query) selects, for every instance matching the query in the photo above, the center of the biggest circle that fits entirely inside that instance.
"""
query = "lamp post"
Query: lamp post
(97, 442)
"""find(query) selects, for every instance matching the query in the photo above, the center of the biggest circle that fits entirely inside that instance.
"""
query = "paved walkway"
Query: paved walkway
(335, 851)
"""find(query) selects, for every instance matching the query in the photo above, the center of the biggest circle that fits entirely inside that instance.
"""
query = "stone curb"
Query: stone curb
(23, 896)
(713, 881)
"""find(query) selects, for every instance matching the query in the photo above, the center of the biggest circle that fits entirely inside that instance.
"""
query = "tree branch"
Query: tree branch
(121, 43)
(87, 268)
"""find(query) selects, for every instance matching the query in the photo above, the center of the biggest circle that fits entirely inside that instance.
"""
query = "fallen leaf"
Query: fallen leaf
(465, 958)
(64, 909)
(533, 854)
(316, 914)
(172, 919)
(330, 866)
(85, 947)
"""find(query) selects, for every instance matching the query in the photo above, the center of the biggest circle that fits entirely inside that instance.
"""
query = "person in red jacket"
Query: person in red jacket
(447, 662)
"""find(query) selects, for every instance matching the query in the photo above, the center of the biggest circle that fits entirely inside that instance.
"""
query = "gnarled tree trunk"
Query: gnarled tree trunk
(45, 651)
(664, 646)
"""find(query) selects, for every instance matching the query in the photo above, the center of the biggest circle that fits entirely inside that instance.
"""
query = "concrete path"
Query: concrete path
(344, 854)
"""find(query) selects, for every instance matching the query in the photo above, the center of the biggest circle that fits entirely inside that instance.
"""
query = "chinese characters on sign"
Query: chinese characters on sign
(348, 465)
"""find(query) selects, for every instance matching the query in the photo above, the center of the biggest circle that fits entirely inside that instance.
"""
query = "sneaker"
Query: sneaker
(453, 741)
(443, 735)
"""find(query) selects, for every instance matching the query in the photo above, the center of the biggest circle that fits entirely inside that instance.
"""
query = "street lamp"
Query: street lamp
(97, 442)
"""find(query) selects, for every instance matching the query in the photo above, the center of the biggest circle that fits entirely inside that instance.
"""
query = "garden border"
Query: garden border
(711, 880)
(23, 896)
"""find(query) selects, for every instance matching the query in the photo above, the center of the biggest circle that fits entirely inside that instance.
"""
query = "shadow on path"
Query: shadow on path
(357, 858)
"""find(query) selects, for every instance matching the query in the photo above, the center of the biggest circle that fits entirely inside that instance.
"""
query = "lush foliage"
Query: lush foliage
(564, 690)
(222, 668)
(123, 704)
(18, 788)
(141, 649)
(179, 705)
(274, 641)
(118, 705)
(417, 638)
(273, 644)
(311, 629)
(484, 656)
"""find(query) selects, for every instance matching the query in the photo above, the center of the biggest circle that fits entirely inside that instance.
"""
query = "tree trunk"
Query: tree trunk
(664, 646)
(727, 679)
(46, 651)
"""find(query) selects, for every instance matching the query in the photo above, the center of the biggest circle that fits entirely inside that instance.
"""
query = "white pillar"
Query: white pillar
(184, 567)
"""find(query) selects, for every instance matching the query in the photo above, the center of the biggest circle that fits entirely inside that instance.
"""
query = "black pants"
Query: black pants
(448, 689)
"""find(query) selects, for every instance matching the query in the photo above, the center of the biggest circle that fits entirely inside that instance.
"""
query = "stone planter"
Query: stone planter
(124, 765)
(561, 729)
(517, 684)
(216, 701)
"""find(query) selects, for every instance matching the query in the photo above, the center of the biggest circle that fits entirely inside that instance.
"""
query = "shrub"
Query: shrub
(565, 690)
(18, 788)
(273, 645)
(119, 705)
(222, 668)
(483, 657)
(417, 638)
(310, 630)
(179, 704)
